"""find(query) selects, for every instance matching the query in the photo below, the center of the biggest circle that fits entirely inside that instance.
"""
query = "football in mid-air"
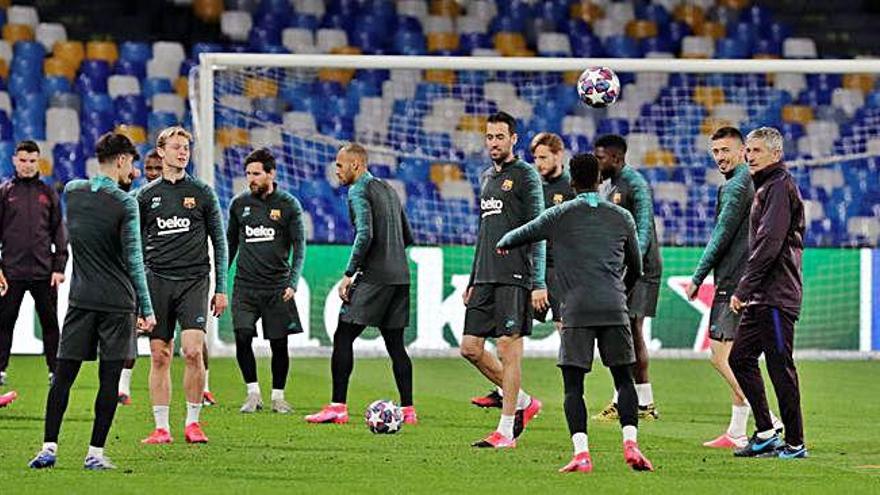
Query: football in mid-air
(383, 416)
(598, 87)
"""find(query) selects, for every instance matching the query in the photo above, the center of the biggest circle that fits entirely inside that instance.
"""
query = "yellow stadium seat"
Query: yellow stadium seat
(446, 77)
(640, 28)
(102, 50)
(44, 165)
(709, 96)
(136, 133)
(472, 123)
(258, 87)
(208, 10)
(691, 15)
(446, 8)
(5, 4)
(4, 69)
(71, 51)
(520, 52)
(232, 136)
(17, 32)
(660, 157)
(571, 77)
(442, 41)
(181, 86)
(442, 172)
(346, 50)
(712, 29)
(54, 66)
(342, 76)
(507, 43)
(764, 56)
(712, 124)
(802, 114)
(587, 11)
(861, 82)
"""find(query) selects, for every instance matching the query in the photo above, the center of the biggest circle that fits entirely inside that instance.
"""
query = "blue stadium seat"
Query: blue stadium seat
(407, 23)
(199, 48)
(587, 46)
(657, 44)
(157, 121)
(652, 12)
(756, 15)
(155, 85)
(125, 67)
(622, 46)
(675, 31)
(732, 48)
(7, 149)
(409, 43)
(131, 109)
(30, 52)
(768, 47)
(613, 126)
(136, 51)
(5, 127)
(69, 161)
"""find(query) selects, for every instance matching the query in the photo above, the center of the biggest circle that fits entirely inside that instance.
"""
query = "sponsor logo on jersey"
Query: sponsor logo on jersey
(557, 199)
(275, 214)
(155, 202)
(507, 185)
(189, 202)
(491, 206)
(246, 211)
(260, 233)
(173, 225)
(616, 198)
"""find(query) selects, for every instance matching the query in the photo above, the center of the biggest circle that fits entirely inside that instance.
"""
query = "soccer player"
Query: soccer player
(548, 151)
(152, 171)
(178, 215)
(726, 255)
(629, 189)
(769, 295)
(503, 289)
(375, 287)
(595, 241)
(34, 245)
(108, 288)
(266, 229)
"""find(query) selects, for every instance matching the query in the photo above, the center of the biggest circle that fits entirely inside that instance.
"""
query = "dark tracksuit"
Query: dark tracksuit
(556, 191)
(34, 245)
(772, 288)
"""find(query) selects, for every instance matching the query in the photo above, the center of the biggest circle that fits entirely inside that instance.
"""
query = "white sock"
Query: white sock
(646, 395)
(522, 400)
(580, 443)
(160, 414)
(277, 394)
(764, 435)
(253, 388)
(50, 447)
(777, 423)
(338, 404)
(614, 397)
(125, 382)
(207, 374)
(96, 452)
(739, 417)
(630, 433)
(505, 425)
(192, 412)
(500, 391)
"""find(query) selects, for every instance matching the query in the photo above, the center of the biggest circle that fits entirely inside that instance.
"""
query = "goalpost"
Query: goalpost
(422, 119)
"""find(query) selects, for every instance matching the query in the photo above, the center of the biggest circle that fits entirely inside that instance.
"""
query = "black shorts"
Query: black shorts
(280, 317)
(722, 321)
(178, 301)
(554, 297)
(643, 299)
(577, 344)
(376, 305)
(85, 331)
(496, 310)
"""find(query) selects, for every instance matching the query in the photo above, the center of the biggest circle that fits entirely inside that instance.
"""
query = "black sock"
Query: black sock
(627, 400)
(400, 363)
(244, 354)
(575, 408)
(280, 363)
(105, 402)
(342, 360)
(59, 394)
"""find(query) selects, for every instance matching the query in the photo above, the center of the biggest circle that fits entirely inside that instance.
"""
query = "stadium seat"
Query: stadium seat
(164, 102)
(797, 113)
(74, 52)
(102, 50)
(827, 178)
(791, 83)
(298, 40)
(447, 8)
(122, 85)
(164, 68)
(848, 100)
(328, 39)
(228, 137)
(310, 7)
(813, 211)
(65, 100)
(712, 29)
(170, 50)
(697, 47)
(671, 192)
(709, 96)
(208, 11)
(155, 85)
(690, 14)
(862, 82)
(443, 172)
(49, 33)
(236, 25)
(55, 66)
(135, 51)
(506, 43)
(867, 227)
(799, 48)
(69, 161)
(13, 33)
(442, 41)
(62, 125)
(23, 14)
(639, 29)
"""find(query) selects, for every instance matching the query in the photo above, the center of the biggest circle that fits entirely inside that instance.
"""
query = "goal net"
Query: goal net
(422, 120)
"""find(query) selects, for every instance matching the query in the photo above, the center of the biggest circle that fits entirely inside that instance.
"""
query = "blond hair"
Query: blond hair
(548, 139)
(170, 132)
(357, 150)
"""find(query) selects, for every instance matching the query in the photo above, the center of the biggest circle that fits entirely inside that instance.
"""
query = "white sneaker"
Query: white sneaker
(252, 404)
(281, 406)
(93, 463)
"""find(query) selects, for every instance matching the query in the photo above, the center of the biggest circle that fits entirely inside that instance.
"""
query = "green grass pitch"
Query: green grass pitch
(268, 453)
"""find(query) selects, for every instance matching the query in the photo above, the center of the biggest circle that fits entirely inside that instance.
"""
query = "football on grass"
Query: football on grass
(383, 416)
